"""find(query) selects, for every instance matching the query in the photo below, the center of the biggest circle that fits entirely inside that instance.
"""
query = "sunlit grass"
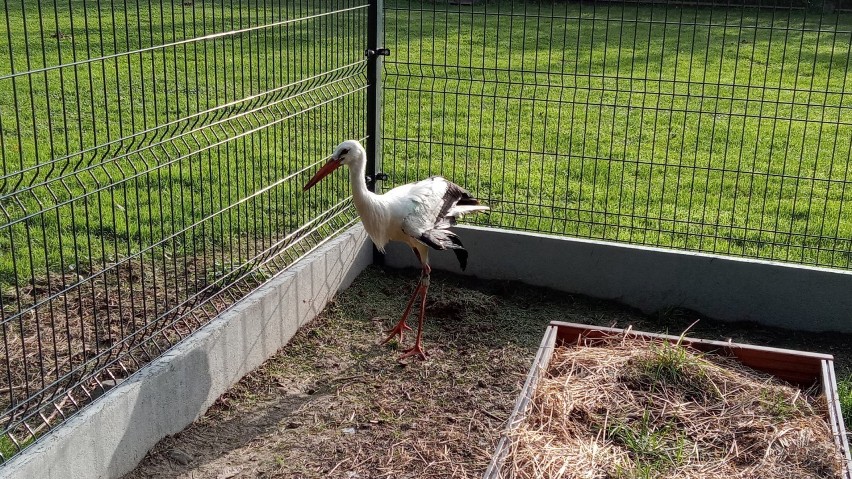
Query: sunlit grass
(719, 130)
(723, 130)
(183, 148)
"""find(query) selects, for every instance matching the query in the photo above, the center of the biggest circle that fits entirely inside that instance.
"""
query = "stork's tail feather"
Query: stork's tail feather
(458, 201)
(464, 209)
(461, 255)
(442, 239)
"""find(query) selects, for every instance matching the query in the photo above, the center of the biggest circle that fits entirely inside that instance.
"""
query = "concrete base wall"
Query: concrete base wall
(111, 436)
(652, 279)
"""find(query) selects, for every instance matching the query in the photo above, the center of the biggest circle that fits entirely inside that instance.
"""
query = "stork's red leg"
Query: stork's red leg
(417, 349)
(401, 327)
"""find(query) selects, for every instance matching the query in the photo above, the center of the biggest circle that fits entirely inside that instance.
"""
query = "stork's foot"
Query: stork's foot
(416, 351)
(399, 329)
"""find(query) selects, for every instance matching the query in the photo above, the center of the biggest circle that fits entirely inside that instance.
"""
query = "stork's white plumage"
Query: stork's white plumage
(417, 214)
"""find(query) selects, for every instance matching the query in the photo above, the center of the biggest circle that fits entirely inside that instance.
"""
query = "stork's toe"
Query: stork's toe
(416, 351)
(399, 330)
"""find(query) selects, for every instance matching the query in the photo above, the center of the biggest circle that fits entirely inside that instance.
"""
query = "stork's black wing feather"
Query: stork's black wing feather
(455, 195)
(442, 239)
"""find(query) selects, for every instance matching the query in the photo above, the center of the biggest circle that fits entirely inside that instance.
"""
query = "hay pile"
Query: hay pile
(630, 408)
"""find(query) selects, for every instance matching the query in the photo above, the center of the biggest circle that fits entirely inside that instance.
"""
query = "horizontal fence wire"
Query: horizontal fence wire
(153, 155)
(706, 126)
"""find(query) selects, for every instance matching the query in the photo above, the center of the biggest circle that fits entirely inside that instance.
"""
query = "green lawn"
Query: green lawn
(105, 159)
(719, 130)
(707, 129)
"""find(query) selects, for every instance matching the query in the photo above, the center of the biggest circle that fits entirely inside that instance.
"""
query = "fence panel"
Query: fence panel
(153, 155)
(713, 127)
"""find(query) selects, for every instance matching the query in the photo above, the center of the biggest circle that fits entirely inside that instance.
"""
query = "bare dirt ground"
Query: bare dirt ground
(334, 403)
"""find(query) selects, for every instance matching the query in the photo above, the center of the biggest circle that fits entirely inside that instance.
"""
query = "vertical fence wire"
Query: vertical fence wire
(721, 127)
(153, 154)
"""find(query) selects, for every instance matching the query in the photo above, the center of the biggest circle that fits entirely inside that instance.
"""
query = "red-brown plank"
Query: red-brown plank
(797, 367)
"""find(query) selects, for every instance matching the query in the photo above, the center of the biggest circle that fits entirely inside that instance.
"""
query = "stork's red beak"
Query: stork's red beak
(327, 168)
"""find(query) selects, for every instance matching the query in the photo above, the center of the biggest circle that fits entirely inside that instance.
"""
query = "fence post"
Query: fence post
(374, 53)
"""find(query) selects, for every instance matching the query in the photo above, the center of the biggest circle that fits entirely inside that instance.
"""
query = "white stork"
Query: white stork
(417, 214)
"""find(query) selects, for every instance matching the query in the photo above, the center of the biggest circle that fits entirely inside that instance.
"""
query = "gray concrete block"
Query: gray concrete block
(652, 279)
(109, 437)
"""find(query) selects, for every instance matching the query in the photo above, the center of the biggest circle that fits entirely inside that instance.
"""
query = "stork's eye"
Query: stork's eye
(344, 151)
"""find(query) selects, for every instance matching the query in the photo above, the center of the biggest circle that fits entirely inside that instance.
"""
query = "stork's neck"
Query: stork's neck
(371, 207)
(357, 173)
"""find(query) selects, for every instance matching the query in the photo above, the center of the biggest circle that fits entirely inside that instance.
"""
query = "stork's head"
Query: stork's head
(349, 153)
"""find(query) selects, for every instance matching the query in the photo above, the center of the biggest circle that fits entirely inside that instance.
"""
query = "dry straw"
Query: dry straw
(636, 408)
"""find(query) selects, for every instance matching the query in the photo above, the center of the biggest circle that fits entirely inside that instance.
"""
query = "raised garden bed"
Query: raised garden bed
(610, 402)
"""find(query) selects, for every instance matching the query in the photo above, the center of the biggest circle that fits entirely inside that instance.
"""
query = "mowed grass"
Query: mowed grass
(711, 129)
(724, 130)
(184, 147)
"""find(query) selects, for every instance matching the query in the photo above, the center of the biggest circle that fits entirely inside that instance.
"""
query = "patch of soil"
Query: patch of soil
(71, 337)
(68, 338)
(334, 403)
